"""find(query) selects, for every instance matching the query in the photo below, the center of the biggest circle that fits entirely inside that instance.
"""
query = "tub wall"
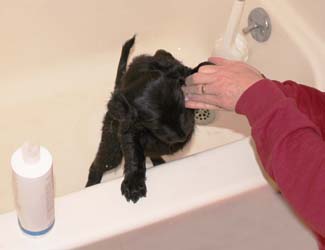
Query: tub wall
(99, 217)
(242, 222)
(100, 212)
(40, 33)
(303, 22)
(314, 16)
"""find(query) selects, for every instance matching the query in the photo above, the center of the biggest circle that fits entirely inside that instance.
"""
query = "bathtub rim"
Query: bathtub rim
(245, 176)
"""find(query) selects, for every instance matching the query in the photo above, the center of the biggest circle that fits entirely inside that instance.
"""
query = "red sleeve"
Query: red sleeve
(291, 148)
(309, 101)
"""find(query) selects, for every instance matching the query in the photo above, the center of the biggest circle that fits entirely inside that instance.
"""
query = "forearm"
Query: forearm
(290, 147)
(310, 101)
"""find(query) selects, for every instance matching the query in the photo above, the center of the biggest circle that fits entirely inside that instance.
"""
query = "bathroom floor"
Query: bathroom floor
(258, 219)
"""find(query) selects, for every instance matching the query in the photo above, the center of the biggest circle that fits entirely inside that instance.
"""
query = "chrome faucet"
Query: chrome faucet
(250, 28)
(259, 25)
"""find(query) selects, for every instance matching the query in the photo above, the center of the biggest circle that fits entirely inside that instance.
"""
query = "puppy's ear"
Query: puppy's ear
(163, 54)
(120, 109)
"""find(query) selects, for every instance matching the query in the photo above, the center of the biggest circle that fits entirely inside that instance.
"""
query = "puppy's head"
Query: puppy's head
(150, 97)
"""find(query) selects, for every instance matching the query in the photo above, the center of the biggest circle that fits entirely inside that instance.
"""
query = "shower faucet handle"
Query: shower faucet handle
(251, 27)
(259, 25)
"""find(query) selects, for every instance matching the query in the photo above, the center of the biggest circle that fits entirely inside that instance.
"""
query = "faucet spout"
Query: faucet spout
(233, 23)
(233, 45)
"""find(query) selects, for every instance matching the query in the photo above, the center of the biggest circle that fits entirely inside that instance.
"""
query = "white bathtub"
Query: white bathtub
(59, 62)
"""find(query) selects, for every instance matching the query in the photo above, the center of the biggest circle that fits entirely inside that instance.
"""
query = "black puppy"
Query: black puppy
(146, 117)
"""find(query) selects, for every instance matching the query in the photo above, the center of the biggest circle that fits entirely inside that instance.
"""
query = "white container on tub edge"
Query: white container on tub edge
(33, 188)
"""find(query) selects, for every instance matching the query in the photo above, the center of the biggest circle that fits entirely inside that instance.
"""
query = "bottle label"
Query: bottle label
(34, 199)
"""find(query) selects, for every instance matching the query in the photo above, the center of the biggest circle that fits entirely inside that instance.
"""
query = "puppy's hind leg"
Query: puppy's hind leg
(109, 155)
(157, 160)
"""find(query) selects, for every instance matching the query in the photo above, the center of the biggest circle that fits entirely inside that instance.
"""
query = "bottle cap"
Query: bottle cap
(30, 153)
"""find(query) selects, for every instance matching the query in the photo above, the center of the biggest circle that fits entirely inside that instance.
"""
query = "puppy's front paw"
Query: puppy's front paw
(133, 188)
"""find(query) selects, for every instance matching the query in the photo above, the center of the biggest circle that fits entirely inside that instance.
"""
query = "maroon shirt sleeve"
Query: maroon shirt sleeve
(290, 144)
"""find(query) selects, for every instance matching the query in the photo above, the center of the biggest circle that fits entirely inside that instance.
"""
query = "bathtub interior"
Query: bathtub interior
(59, 67)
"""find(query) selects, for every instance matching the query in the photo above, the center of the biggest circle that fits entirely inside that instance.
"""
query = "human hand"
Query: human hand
(219, 85)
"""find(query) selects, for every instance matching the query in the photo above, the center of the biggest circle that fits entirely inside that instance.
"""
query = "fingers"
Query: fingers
(206, 74)
(192, 89)
(199, 78)
(219, 61)
(199, 105)
(199, 89)
(207, 99)
(208, 69)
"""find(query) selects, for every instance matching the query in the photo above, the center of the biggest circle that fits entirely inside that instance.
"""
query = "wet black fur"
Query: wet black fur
(146, 117)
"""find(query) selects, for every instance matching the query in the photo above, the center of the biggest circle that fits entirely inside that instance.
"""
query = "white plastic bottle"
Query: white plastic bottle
(33, 188)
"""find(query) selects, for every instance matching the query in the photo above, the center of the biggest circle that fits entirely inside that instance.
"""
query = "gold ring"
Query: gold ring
(203, 88)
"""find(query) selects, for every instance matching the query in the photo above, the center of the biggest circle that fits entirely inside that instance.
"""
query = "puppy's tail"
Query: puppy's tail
(123, 60)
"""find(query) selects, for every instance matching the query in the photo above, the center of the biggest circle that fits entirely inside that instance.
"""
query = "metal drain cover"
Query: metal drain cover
(204, 116)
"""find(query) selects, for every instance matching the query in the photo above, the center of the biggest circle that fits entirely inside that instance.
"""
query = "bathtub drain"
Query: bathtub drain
(204, 116)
